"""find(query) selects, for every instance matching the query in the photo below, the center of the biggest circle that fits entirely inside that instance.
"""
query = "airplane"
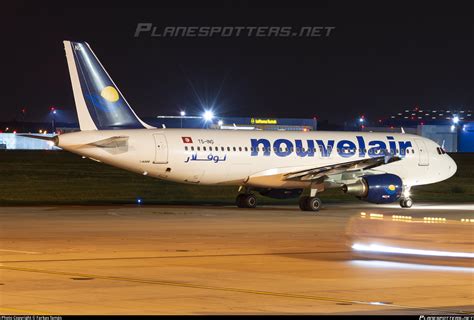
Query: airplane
(377, 167)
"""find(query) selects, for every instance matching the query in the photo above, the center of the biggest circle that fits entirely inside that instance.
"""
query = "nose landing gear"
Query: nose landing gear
(406, 203)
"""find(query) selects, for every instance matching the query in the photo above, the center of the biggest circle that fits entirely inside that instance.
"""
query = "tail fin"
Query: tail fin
(99, 103)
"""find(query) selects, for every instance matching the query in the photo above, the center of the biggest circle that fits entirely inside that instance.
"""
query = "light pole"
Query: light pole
(182, 113)
(53, 118)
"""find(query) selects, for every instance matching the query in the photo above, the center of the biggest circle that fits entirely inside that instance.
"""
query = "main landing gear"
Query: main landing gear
(246, 200)
(310, 203)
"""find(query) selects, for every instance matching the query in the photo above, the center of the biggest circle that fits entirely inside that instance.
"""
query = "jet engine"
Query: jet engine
(281, 193)
(380, 188)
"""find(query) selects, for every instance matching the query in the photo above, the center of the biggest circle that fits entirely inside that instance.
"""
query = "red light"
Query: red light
(52, 108)
(362, 126)
(421, 123)
(14, 131)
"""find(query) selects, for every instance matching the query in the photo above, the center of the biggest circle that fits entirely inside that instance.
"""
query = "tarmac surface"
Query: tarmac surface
(224, 260)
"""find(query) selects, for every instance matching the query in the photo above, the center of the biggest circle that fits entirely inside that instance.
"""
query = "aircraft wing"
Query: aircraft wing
(319, 172)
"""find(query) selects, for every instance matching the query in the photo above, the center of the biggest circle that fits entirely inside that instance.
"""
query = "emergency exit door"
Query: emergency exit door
(161, 148)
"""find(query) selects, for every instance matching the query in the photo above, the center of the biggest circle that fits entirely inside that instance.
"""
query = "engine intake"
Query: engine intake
(380, 188)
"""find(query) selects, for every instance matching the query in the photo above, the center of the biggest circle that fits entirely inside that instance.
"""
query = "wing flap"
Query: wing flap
(314, 174)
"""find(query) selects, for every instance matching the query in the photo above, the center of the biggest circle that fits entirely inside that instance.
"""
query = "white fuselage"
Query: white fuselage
(231, 157)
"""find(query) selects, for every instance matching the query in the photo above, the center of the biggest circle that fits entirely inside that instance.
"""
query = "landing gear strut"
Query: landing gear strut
(311, 202)
(406, 201)
(246, 200)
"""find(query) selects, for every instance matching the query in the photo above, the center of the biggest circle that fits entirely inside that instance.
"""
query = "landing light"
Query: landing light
(455, 119)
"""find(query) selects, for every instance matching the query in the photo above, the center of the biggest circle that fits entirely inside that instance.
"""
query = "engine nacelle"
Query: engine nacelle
(379, 188)
(281, 193)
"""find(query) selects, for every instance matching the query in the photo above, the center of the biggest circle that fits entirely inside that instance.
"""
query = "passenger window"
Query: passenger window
(240, 148)
(186, 148)
(222, 148)
(234, 149)
(198, 148)
(228, 148)
(192, 148)
(204, 148)
(246, 149)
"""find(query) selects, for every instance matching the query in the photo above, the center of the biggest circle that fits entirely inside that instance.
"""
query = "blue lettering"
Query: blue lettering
(325, 151)
(392, 144)
(299, 148)
(403, 145)
(346, 148)
(255, 143)
(376, 151)
(361, 142)
(282, 152)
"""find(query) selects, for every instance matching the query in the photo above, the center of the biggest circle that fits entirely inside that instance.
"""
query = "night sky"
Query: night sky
(380, 58)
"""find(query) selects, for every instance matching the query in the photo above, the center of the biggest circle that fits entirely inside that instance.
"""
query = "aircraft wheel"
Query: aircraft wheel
(313, 204)
(239, 200)
(303, 203)
(406, 203)
(246, 200)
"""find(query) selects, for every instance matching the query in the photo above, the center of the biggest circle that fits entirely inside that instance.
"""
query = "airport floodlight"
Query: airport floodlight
(220, 122)
(182, 113)
(455, 119)
(208, 115)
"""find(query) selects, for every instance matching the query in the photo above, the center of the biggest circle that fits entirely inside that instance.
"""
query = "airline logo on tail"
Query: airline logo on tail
(99, 103)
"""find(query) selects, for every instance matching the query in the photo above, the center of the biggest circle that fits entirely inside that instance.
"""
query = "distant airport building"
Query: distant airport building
(453, 129)
(236, 123)
(13, 141)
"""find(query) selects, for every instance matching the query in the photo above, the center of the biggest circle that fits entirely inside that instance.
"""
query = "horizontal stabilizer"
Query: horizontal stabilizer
(53, 139)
